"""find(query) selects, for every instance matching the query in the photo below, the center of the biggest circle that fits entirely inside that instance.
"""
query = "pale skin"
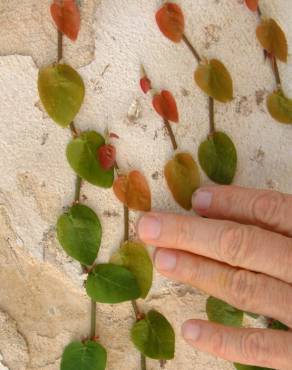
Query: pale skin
(239, 252)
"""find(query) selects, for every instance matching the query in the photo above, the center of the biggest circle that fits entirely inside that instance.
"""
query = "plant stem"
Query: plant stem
(60, 46)
(143, 362)
(211, 117)
(192, 49)
(93, 320)
(73, 129)
(126, 223)
(171, 134)
(78, 189)
(276, 71)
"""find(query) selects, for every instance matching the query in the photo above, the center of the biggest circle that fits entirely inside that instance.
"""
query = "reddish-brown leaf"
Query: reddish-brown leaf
(165, 105)
(107, 156)
(66, 15)
(273, 39)
(252, 4)
(170, 20)
(145, 84)
(133, 191)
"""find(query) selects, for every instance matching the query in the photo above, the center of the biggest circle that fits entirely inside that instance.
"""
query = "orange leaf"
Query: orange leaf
(165, 105)
(133, 191)
(273, 39)
(170, 20)
(66, 15)
(252, 5)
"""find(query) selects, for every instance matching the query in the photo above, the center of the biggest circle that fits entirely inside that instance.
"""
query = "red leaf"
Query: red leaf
(107, 156)
(170, 20)
(66, 15)
(165, 106)
(145, 84)
(133, 191)
(252, 4)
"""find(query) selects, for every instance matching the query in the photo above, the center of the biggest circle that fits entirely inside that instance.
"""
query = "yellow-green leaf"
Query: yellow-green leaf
(62, 91)
(222, 313)
(82, 155)
(280, 107)
(273, 39)
(183, 178)
(215, 80)
(135, 258)
(218, 158)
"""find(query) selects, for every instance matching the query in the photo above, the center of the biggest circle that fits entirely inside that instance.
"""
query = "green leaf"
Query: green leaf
(273, 39)
(183, 178)
(214, 79)
(79, 233)
(84, 356)
(249, 367)
(218, 158)
(154, 336)
(83, 158)
(280, 107)
(222, 313)
(109, 283)
(277, 325)
(62, 91)
(135, 258)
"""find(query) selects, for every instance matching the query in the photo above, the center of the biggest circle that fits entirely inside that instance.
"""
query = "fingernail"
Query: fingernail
(191, 331)
(149, 228)
(165, 260)
(202, 199)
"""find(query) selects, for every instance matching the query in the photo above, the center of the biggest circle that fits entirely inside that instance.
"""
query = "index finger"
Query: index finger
(238, 245)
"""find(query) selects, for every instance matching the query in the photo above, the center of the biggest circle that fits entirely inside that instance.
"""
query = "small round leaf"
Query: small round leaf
(165, 105)
(183, 178)
(82, 157)
(280, 107)
(79, 233)
(214, 79)
(154, 336)
(222, 313)
(84, 356)
(133, 191)
(66, 15)
(62, 91)
(135, 258)
(273, 39)
(252, 4)
(218, 158)
(109, 283)
(170, 20)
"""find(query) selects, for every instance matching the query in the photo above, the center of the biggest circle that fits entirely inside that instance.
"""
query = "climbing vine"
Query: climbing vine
(129, 273)
(273, 40)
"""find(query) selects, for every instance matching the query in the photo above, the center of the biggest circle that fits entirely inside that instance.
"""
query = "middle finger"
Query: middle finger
(238, 245)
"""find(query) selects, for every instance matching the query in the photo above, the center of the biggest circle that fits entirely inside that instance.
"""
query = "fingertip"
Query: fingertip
(202, 200)
(165, 260)
(148, 227)
(191, 331)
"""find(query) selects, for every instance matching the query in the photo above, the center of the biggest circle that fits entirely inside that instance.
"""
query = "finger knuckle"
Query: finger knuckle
(231, 247)
(267, 208)
(241, 289)
(218, 343)
(184, 233)
(254, 346)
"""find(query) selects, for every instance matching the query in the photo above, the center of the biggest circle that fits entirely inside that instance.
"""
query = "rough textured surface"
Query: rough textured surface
(43, 305)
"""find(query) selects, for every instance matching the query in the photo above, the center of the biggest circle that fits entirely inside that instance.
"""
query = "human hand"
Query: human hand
(241, 254)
